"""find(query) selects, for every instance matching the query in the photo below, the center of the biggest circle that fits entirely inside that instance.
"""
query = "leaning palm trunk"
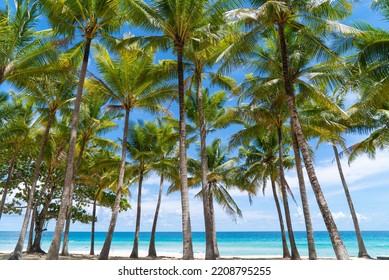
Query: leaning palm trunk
(31, 233)
(16, 254)
(209, 246)
(54, 247)
(7, 183)
(295, 253)
(285, 249)
(304, 200)
(152, 251)
(134, 253)
(337, 243)
(186, 225)
(115, 211)
(65, 246)
(361, 245)
(212, 220)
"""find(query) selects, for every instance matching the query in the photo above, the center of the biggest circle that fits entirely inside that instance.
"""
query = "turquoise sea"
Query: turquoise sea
(230, 243)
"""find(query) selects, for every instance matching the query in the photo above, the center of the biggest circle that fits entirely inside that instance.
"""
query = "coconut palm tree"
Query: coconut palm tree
(93, 123)
(17, 135)
(164, 164)
(90, 19)
(24, 51)
(141, 145)
(300, 19)
(132, 81)
(180, 22)
(261, 165)
(50, 95)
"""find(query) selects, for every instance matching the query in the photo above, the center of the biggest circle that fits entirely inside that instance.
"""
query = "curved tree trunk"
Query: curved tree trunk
(16, 254)
(337, 243)
(54, 247)
(7, 183)
(304, 200)
(285, 249)
(186, 225)
(295, 253)
(209, 246)
(134, 253)
(361, 245)
(152, 250)
(115, 211)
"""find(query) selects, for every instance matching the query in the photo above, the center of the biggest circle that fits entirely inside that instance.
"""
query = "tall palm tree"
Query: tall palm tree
(179, 22)
(132, 81)
(261, 165)
(207, 114)
(90, 19)
(165, 164)
(141, 145)
(301, 19)
(49, 95)
(93, 123)
(328, 126)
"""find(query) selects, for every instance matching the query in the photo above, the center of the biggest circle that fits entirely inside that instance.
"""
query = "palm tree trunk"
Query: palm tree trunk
(295, 253)
(65, 246)
(209, 246)
(152, 250)
(285, 249)
(115, 211)
(39, 222)
(7, 183)
(16, 254)
(134, 253)
(92, 239)
(54, 247)
(337, 243)
(304, 200)
(361, 245)
(186, 225)
(213, 222)
(31, 233)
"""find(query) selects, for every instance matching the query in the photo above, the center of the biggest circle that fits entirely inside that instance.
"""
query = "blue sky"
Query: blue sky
(367, 181)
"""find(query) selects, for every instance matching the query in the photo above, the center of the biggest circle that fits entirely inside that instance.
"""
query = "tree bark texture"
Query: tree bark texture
(152, 250)
(362, 253)
(134, 253)
(54, 247)
(336, 240)
(186, 224)
(285, 249)
(115, 211)
(304, 200)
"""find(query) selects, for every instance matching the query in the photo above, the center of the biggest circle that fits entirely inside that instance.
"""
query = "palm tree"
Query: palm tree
(211, 117)
(24, 51)
(180, 22)
(51, 95)
(261, 165)
(91, 18)
(301, 19)
(141, 144)
(132, 81)
(93, 123)
(165, 164)
(17, 135)
(328, 126)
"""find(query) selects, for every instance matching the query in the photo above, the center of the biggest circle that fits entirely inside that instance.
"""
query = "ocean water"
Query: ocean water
(244, 244)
